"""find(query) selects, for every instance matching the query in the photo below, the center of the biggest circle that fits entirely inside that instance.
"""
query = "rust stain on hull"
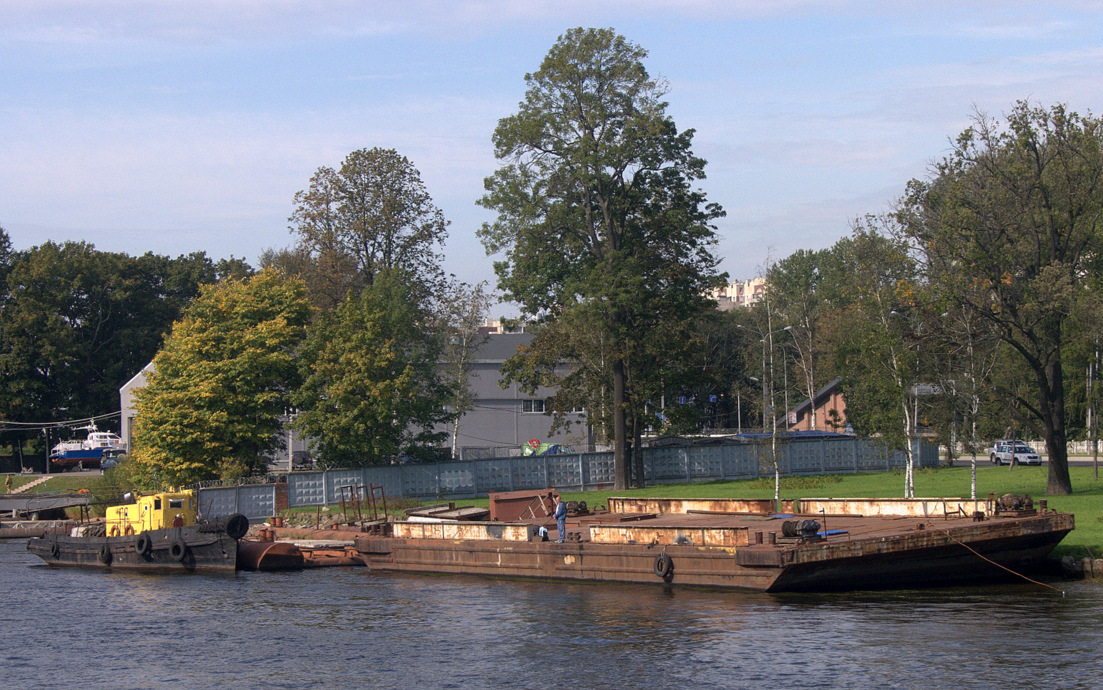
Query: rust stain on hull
(738, 544)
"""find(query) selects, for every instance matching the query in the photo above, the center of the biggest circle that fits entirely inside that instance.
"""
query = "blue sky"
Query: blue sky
(179, 126)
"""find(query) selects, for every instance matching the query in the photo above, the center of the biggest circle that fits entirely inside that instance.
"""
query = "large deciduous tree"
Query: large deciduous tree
(371, 388)
(77, 323)
(1013, 214)
(597, 214)
(373, 214)
(212, 408)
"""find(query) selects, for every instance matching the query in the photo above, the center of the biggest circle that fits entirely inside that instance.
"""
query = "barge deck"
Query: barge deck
(813, 544)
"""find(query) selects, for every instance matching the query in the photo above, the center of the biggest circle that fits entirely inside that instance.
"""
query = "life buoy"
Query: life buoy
(143, 544)
(105, 554)
(129, 531)
(178, 550)
(115, 531)
(664, 567)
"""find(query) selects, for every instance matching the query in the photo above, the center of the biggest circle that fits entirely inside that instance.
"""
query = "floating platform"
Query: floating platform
(811, 544)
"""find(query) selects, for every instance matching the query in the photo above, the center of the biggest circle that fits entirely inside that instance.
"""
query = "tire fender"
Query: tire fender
(144, 544)
(664, 567)
(237, 526)
(178, 550)
(55, 548)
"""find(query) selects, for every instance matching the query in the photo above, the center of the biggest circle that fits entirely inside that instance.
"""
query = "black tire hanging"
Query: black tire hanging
(237, 526)
(664, 567)
(55, 548)
(178, 550)
(105, 554)
(144, 544)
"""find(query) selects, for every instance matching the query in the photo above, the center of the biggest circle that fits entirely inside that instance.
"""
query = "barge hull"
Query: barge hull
(570, 561)
(921, 555)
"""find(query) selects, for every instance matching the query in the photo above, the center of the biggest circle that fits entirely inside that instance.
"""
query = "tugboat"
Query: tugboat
(87, 453)
(156, 532)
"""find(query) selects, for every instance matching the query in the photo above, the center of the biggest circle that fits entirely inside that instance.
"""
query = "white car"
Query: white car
(1003, 452)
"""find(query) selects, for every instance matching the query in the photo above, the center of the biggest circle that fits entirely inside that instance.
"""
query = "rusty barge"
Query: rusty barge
(811, 545)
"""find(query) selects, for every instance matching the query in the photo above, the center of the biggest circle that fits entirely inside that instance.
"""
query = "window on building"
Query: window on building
(532, 406)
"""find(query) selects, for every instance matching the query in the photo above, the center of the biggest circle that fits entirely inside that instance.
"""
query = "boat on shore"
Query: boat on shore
(85, 453)
(810, 545)
(157, 532)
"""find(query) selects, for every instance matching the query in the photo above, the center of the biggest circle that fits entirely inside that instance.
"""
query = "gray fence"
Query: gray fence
(575, 472)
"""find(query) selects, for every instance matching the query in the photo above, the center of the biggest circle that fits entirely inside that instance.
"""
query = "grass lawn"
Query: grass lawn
(17, 480)
(59, 483)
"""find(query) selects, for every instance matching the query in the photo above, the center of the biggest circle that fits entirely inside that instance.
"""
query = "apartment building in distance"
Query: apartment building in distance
(742, 293)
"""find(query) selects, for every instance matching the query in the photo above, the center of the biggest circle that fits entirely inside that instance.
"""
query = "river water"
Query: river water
(348, 627)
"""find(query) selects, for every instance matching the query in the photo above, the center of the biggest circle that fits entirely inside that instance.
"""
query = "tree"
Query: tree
(7, 257)
(971, 348)
(213, 406)
(884, 322)
(1015, 213)
(77, 323)
(372, 215)
(794, 285)
(597, 215)
(371, 389)
(460, 315)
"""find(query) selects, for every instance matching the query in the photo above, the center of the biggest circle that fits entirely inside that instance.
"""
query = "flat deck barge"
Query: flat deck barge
(811, 544)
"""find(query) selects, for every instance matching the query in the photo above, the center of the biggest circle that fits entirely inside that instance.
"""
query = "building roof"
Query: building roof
(820, 394)
(498, 347)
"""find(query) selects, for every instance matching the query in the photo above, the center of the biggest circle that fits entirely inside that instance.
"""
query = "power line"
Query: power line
(6, 425)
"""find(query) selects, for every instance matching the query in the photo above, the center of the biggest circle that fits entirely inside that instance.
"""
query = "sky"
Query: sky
(174, 127)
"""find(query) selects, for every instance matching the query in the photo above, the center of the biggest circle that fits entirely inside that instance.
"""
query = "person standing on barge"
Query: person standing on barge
(560, 518)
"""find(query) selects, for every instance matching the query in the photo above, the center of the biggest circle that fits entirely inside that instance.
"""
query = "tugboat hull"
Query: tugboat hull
(194, 548)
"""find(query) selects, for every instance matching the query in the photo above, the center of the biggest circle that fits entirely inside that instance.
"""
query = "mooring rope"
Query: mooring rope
(998, 565)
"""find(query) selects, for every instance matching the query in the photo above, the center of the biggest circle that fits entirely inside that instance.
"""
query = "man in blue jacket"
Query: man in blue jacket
(560, 518)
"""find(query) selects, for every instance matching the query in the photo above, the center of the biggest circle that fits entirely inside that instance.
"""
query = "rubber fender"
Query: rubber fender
(143, 544)
(178, 550)
(664, 567)
(236, 526)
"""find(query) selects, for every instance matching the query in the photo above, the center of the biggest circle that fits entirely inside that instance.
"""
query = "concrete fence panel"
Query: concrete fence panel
(571, 472)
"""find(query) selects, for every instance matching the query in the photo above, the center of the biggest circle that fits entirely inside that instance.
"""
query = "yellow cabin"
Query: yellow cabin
(156, 511)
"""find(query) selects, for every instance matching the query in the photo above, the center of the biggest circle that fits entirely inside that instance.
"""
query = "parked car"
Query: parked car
(1003, 452)
(111, 458)
(301, 460)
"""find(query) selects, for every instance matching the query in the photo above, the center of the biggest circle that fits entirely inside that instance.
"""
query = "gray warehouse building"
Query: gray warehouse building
(503, 421)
